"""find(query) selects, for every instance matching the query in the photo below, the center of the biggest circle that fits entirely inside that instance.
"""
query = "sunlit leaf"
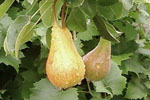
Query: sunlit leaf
(45, 90)
(46, 11)
(5, 6)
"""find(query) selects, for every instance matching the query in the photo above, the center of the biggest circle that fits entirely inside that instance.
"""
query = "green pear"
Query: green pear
(97, 61)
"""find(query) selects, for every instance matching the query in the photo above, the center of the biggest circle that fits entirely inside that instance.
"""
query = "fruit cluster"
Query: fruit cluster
(65, 67)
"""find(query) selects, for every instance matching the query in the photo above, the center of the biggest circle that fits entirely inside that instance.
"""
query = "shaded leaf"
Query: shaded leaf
(76, 21)
(106, 2)
(105, 29)
(136, 89)
(124, 47)
(2, 92)
(89, 7)
(128, 29)
(29, 77)
(147, 98)
(112, 12)
(9, 60)
(74, 3)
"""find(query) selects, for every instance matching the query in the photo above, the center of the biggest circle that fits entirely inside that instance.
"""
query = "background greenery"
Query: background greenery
(25, 27)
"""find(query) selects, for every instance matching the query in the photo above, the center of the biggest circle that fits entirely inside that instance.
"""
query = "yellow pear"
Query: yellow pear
(65, 67)
(97, 61)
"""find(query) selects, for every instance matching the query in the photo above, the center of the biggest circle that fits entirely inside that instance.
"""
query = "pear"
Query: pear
(97, 61)
(65, 67)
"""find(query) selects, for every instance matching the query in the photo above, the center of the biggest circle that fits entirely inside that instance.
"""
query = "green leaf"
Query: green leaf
(89, 7)
(46, 9)
(113, 83)
(128, 29)
(26, 4)
(29, 77)
(9, 60)
(76, 21)
(41, 31)
(70, 94)
(44, 52)
(88, 34)
(133, 65)
(2, 92)
(127, 4)
(81, 95)
(112, 12)
(19, 32)
(40, 64)
(24, 35)
(111, 29)
(48, 37)
(124, 47)
(147, 98)
(100, 87)
(105, 29)
(147, 84)
(106, 2)
(74, 3)
(79, 46)
(30, 1)
(136, 89)
(13, 31)
(5, 21)
(5, 6)
(44, 90)
(13, 12)
(97, 96)
(120, 97)
(144, 51)
(119, 58)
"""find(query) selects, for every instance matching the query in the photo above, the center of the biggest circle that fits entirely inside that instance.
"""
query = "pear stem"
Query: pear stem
(54, 13)
(88, 84)
(63, 15)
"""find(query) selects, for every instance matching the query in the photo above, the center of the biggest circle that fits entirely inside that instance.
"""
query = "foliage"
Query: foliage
(25, 27)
